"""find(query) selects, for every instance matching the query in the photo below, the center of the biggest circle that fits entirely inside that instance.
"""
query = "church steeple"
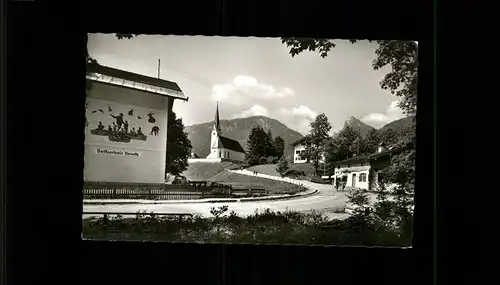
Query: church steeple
(216, 120)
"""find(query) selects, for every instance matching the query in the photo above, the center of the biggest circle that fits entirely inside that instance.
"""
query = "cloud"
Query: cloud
(379, 119)
(245, 89)
(255, 110)
(245, 96)
(297, 118)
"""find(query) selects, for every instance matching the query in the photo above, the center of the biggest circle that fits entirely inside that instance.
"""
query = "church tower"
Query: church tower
(216, 132)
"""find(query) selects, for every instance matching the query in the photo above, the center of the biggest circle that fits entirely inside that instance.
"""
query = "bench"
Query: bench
(254, 191)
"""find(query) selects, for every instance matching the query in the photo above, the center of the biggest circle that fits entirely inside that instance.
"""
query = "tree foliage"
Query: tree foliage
(279, 146)
(282, 166)
(318, 136)
(401, 56)
(257, 147)
(262, 148)
(178, 146)
(371, 142)
(343, 146)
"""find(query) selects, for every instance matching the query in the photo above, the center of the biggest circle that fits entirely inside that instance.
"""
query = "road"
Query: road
(326, 201)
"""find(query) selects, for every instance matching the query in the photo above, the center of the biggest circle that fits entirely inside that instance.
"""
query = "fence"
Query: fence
(106, 215)
(191, 191)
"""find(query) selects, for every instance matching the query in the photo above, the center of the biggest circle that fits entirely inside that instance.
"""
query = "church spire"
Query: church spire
(216, 120)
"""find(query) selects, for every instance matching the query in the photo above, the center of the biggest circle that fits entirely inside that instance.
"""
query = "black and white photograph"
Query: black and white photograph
(250, 140)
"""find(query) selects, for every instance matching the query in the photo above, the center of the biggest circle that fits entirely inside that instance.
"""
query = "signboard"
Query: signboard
(117, 152)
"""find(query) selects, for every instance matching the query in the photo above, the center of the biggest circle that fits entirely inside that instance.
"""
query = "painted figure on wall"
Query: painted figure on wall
(119, 120)
(122, 130)
(151, 119)
(154, 131)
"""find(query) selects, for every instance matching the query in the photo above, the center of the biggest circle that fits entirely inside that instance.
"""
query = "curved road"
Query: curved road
(326, 201)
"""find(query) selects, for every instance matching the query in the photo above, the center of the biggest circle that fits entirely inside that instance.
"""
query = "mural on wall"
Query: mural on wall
(119, 127)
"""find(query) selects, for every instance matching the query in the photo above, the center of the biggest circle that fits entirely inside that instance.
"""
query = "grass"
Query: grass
(203, 171)
(245, 181)
(270, 169)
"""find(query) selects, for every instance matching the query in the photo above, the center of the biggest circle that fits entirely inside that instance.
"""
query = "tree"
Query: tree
(401, 56)
(282, 166)
(279, 146)
(270, 150)
(371, 142)
(343, 146)
(256, 145)
(320, 128)
(389, 137)
(178, 146)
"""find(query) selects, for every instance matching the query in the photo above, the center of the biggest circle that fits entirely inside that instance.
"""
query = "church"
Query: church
(221, 147)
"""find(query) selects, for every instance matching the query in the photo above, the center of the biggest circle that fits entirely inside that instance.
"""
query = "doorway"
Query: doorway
(353, 180)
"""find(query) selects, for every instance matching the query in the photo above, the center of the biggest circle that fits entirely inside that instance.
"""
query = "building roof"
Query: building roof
(367, 158)
(109, 75)
(353, 160)
(299, 141)
(389, 152)
(230, 144)
(216, 120)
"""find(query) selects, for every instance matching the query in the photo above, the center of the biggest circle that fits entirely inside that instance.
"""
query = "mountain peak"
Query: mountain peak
(358, 125)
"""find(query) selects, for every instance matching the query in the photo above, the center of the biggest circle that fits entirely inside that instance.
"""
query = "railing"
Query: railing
(137, 214)
(192, 190)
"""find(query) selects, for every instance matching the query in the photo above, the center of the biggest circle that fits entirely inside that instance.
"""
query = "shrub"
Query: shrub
(263, 160)
(261, 227)
(294, 173)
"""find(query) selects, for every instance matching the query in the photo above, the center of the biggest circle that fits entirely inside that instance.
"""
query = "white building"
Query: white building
(299, 150)
(223, 148)
(355, 172)
(126, 125)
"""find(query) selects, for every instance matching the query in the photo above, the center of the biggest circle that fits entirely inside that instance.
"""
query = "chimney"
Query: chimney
(381, 147)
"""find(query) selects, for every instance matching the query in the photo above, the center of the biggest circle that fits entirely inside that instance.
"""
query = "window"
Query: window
(362, 177)
(297, 152)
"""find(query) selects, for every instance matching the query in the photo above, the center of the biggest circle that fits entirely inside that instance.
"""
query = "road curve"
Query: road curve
(327, 201)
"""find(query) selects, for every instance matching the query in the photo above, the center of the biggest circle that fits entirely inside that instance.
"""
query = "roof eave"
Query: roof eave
(137, 86)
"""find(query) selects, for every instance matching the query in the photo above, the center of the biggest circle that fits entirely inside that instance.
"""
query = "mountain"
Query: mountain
(239, 130)
(359, 126)
(397, 126)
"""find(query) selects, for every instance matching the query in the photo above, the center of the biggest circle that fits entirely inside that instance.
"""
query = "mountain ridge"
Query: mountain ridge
(239, 129)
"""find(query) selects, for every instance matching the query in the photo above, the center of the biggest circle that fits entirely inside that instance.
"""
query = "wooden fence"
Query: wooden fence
(190, 191)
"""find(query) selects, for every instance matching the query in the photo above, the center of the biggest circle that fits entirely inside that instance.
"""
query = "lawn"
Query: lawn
(203, 171)
(239, 181)
(270, 169)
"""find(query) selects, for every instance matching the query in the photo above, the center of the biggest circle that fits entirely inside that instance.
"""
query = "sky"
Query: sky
(257, 76)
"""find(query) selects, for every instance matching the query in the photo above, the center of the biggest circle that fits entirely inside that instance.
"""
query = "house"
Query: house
(299, 150)
(223, 148)
(355, 172)
(126, 125)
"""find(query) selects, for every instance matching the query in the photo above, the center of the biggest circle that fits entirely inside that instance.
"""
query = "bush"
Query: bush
(263, 160)
(261, 227)
(294, 173)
